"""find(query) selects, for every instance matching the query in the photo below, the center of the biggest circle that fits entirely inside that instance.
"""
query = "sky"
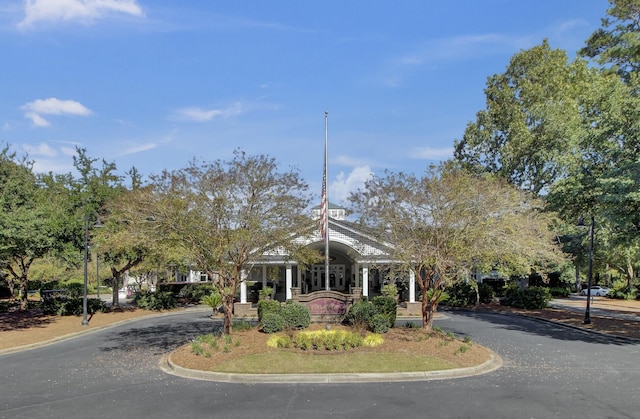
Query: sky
(156, 83)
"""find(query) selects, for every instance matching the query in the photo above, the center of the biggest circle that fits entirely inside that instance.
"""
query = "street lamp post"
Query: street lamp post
(86, 258)
(587, 313)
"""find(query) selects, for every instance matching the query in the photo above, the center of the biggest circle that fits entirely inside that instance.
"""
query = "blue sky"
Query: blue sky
(154, 83)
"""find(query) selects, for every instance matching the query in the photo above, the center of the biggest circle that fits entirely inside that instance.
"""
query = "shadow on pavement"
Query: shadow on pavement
(541, 327)
(159, 339)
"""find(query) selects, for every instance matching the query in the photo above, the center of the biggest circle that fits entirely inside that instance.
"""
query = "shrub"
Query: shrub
(461, 294)
(272, 322)
(159, 300)
(379, 323)
(360, 314)
(267, 306)
(74, 289)
(486, 293)
(213, 300)
(388, 307)
(265, 293)
(532, 298)
(389, 290)
(559, 292)
(196, 292)
(296, 315)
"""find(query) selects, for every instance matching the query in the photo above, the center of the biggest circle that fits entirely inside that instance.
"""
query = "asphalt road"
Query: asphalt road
(549, 371)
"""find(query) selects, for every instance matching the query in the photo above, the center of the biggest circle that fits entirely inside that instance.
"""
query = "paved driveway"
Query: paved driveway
(549, 372)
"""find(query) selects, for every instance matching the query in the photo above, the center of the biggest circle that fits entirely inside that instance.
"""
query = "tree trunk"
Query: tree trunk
(227, 307)
(23, 292)
(578, 281)
(115, 275)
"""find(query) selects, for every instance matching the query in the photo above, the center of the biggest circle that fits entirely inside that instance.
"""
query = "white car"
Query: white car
(596, 291)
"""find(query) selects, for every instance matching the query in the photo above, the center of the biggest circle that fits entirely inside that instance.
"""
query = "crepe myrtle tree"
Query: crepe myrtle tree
(225, 214)
(447, 222)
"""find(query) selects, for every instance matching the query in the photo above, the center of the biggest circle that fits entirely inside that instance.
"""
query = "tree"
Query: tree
(225, 214)
(616, 45)
(448, 222)
(31, 221)
(532, 119)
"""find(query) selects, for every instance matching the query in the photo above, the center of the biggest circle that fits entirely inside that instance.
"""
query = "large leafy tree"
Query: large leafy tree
(225, 214)
(532, 119)
(449, 221)
(32, 221)
(616, 45)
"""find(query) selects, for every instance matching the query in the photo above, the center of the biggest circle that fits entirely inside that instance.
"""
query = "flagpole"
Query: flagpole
(326, 201)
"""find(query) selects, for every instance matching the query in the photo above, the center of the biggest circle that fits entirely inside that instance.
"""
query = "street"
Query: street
(549, 371)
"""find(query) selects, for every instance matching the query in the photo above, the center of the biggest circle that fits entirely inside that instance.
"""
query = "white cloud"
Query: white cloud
(52, 106)
(36, 119)
(343, 185)
(203, 115)
(75, 10)
(41, 149)
(430, 153)
(138, 148)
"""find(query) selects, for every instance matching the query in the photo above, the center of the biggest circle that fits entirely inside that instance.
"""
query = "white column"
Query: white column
(298, 277)
(288, 280)
(243, 287)
(264, 276)
(365, 280)
(412, 287)
(356, 272)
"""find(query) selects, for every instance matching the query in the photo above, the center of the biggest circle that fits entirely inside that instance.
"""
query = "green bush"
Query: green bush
(74, 289)
(71, 306)
(160, 300)
(296, 315)
(360, 314)
(532, 298)
(195, 292)
(388, 307)
(272, 322)
(379, 323)
(461, 294)
(486, 293)
(374, 315)
(213, 300)
(560, 292)
(389, 290)
(267, 306)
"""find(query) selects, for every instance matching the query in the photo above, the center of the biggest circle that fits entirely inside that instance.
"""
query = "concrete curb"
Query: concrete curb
(167, 365)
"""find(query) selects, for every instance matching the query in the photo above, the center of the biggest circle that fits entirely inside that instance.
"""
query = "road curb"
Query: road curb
(167, 365)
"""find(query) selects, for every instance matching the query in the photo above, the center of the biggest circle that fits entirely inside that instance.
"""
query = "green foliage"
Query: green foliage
(296, 315)
(74, 289)
(329, 340)
(562, 292)
(379, 323)
(272, 322)
(196, 292)
(265, 293)
(71, 306)
(213, 300)
(389, 290)
(360, 314)
(461, 294)
(387, 307)
(377, 315)
(160, 300)
(240, 325)
(267, 306)
(532, 298)
(486, 293)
